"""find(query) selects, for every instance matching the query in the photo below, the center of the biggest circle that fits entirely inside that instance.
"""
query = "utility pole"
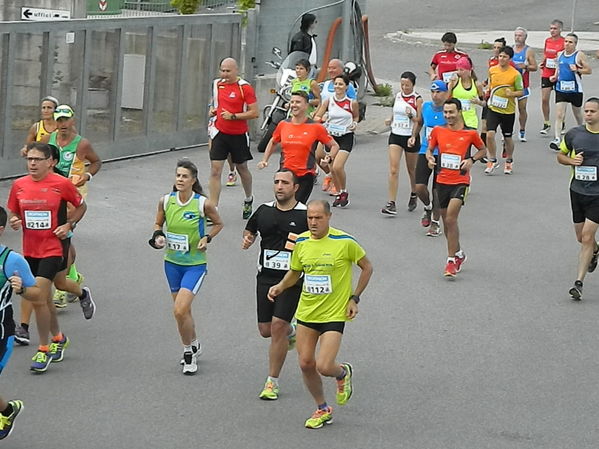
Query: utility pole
(346, 41)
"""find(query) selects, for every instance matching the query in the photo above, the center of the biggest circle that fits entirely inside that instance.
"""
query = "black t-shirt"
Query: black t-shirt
(278, 231)
(301, 41)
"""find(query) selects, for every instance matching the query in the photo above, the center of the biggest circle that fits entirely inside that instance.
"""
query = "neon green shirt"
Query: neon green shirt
(327, 267)
(185, 226)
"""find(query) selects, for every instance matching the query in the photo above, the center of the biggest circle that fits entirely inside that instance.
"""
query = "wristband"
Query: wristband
(152, 241)
(233, 117)
(473, 160)
(208, 238)
(20, 292)
(356, 298)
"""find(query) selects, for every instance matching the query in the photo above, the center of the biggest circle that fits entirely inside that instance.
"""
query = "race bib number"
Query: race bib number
(550, 63)
(583, 173)
(336, 130)
(447, 76)
(177, 242)
(38, 219)
(401, 122)
(567, 86)
(318, 284)
(465, 105)
(276, 260)
(451, 161)
(499, 102)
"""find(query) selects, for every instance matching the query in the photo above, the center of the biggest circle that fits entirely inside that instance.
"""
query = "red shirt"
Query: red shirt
(445, 61)
(297, 143)
(455, 145)
(233, 97)
(42, 206)
(550, 51)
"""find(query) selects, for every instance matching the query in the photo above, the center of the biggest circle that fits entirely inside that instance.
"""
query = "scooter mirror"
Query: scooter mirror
(276, 51)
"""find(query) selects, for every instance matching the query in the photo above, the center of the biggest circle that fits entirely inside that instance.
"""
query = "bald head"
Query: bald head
(335, 68)
(229, 70)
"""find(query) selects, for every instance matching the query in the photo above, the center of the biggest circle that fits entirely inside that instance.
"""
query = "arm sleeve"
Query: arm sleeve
(13, 203)
(276, 135)
(477, 141)
(323, 135)
(519, 84)
(435, 60)
(296, 265)
(252, 224)
(249, 94)
(15, 263)
(432, 141)
(565, 146)
(71, 194)
(355, 251)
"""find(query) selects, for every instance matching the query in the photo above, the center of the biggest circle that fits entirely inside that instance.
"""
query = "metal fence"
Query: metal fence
(137, 84)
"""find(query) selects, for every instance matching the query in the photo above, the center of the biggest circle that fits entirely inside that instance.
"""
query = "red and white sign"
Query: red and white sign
(102, 4)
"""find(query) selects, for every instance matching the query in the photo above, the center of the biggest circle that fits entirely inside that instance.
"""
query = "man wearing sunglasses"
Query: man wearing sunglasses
(38, 204)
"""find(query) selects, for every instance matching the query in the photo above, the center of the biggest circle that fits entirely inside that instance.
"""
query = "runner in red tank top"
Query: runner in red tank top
(553, 45)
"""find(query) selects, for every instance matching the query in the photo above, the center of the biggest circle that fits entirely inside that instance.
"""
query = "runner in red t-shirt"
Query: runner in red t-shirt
(38, 204)
(443, 64)
(298, 136)
(553, 45)
(233, 104)
(453, 178)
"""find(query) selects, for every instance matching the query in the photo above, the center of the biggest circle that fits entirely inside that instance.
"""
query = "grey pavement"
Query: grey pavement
(500, 358)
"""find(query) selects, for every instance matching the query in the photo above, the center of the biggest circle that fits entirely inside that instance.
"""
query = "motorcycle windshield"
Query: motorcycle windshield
(288, 66)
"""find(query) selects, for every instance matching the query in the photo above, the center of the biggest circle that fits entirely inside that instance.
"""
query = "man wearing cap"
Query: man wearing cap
(432, 115)
(73, 151)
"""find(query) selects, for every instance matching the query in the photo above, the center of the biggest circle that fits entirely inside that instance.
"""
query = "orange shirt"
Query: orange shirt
(297, 144)
(454, 147)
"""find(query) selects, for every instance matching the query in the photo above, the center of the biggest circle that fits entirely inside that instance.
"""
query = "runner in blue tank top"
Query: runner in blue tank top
(525, 61)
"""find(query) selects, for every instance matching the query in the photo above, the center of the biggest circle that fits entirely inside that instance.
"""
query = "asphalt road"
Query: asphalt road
(500, 358)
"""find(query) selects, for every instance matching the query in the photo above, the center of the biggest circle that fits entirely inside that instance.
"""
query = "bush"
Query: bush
(383, 90)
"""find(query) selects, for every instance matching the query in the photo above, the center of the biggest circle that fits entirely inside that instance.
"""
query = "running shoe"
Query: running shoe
(459, 261)
(450, 270)
(319, 418)
(56, 353)
(576, 291)
(491, 166)
(326, 183)
(592, 263)
(425, 221)
(71, 297)
(522, 136)
(554, 145)
(546, 128)
(197, 351)
(41, 362)
(342, 200)
(88, 306)
(21, 335)
(7, 423)
(344, 386)
(190, 363)
(59, 299)
(389, 208)
(435, 229)
(507, 168)
(292, 337)
(412, 202)
(270, 391)
(231, 179)
(247, 208)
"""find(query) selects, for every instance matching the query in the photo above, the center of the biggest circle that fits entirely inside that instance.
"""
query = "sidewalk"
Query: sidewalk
(588, 41)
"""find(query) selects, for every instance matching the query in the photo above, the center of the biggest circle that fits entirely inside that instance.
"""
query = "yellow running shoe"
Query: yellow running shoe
(60, 299)
(270, 392)
(344, 386)
(319, 418)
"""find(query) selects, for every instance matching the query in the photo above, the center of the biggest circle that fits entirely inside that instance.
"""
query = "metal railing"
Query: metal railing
(137, 84)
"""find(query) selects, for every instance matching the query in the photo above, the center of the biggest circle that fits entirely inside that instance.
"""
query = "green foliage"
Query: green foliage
(383, 90)
(243, 6)
(186, 6)
(485, 45)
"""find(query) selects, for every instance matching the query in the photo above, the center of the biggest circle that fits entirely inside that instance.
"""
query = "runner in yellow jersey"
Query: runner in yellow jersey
(45, 125)
(325, 256)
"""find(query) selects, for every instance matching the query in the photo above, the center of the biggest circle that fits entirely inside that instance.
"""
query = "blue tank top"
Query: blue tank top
(568, 82)
(520, 58)
(430, 118)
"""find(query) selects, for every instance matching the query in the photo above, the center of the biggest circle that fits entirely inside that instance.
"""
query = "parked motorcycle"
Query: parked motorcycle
(277, 110)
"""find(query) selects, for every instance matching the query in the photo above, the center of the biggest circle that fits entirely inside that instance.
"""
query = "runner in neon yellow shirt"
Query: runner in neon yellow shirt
(325, 256)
